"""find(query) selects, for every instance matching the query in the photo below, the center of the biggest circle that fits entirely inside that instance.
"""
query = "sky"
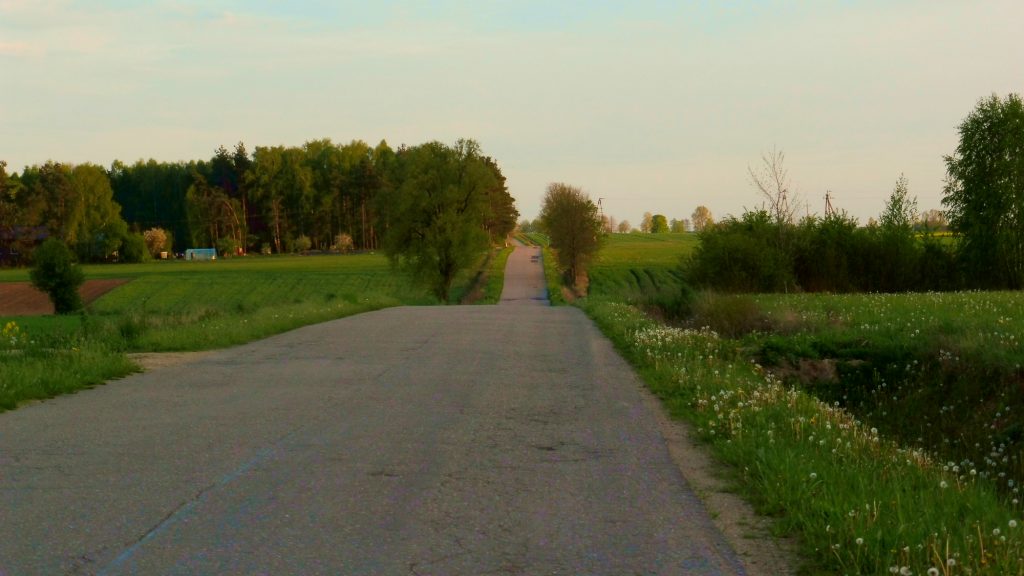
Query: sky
(649, 105)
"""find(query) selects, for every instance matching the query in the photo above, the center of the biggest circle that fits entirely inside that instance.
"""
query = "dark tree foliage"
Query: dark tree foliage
(826, 253)
(742, 256)
(436, 216)
(133, 248)
(152, 195)
(276, 198)
(55, 273)
(830, 254)
(571, 220)
(502, 213)
(984, 194)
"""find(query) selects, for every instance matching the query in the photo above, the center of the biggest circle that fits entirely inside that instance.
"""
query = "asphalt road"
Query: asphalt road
(435, 440)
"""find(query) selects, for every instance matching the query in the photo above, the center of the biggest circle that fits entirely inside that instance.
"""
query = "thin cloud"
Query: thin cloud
(19, 49)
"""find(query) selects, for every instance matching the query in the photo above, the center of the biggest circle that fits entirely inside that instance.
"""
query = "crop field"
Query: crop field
(180, 306)
(631, 265)
(885, 431)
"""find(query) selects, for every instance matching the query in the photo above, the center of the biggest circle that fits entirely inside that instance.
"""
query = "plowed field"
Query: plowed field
(22, 299)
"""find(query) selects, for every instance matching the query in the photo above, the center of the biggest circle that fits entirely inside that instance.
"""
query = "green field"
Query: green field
(636, 265)
(181, 306)
(884, 431)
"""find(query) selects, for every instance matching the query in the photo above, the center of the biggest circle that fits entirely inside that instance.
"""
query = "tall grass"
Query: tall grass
(937, 371)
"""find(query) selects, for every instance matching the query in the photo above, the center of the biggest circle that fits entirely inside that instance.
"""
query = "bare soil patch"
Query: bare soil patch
(150, 361)
(22, 299)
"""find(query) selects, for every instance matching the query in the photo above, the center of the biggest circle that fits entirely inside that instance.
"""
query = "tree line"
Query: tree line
(768, 250)
(277, 199)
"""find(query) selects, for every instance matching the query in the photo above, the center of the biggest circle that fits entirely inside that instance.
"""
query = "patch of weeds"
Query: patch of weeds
(729, 315)
(132, 326)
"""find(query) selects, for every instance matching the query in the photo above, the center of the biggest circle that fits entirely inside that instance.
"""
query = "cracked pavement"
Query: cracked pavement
(434, 440)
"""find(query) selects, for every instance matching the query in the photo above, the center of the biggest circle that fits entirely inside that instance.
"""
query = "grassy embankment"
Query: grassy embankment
(183, 306)
(882, 430)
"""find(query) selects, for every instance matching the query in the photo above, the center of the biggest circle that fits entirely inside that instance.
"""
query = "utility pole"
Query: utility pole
(829, 210)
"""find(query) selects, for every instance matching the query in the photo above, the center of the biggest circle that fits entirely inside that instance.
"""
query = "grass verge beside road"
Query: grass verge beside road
(884, 431)
(859, 502)
(494, 281)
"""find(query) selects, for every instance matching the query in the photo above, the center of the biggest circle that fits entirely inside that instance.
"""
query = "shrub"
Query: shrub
(302, 244)
(55, 273)
(227, 247)
(731, 316)
(743, 256)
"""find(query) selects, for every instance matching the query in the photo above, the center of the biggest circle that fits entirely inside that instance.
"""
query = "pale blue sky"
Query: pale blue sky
(652, 105)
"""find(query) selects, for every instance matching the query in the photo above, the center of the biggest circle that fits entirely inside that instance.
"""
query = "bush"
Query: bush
(303, 244)
(133, 248)
(227, 247)
(55, 273)
(729, 315)
(743, 256)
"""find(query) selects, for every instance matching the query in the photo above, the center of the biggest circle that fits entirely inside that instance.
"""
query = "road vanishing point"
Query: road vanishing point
(507, 439)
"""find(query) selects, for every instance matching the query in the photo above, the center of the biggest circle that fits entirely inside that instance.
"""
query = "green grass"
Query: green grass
(939, 371)
(634, 265)
(552, 277)
(494, 280)
(178, 306)
(858, 502)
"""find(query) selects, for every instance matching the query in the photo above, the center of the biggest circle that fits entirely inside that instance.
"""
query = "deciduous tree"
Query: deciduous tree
(645, 223)
(984, 194)
(771, 179)
(659, 224)
(436, 216)
(571, 220)
(701, 218)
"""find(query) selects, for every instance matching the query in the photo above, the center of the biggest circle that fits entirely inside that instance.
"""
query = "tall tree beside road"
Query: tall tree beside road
(984, 194)
(501, 213)
(436, 216)
(701, 218)
(571, 220)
